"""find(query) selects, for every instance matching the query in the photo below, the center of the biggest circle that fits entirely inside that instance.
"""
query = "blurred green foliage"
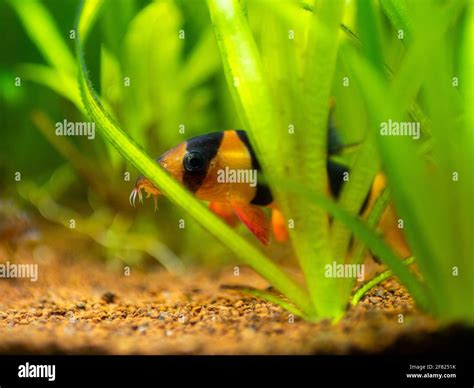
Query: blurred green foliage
(177, 90)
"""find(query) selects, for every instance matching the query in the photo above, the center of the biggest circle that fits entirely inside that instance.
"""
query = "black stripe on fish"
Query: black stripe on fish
(263, 195)
(208, 145)
(336, 173)
(243, 137)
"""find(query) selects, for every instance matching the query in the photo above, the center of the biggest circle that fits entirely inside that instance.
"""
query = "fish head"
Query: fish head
(172, 162)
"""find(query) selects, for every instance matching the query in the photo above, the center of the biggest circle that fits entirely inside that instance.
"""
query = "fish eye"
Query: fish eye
(194, 161)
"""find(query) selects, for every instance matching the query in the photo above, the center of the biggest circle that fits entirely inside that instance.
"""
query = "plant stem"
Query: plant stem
(373, 282)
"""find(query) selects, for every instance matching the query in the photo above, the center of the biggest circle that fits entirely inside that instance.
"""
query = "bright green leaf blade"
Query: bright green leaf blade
(370, 32)
(311, 232)
(60, 82)
(202, 62)
(396, 11)
(244, 75)
(111, 86)
(152, 52)
(43, 31)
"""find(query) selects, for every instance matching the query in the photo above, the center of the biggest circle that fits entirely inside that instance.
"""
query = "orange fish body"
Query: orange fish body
(209, 165)
(221, 168)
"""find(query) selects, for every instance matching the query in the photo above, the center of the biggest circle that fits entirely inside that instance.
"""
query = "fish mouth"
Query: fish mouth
(148, 188)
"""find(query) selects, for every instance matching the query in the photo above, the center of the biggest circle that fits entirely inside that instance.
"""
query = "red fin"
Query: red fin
(224, 211)
(279, 225)
(254, 219)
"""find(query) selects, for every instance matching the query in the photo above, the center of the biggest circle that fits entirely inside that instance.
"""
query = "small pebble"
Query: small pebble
(375, 299)
(379, 292)
(108, 297)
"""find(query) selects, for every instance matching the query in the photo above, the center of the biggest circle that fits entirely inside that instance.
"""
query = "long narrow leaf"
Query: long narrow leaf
(45, 34)
(311, 233)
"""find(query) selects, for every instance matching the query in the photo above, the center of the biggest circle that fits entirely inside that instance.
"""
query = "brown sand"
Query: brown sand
(84, 306)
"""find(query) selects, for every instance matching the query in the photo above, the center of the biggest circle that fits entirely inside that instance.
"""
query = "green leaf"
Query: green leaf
(396, 11)
(60, 82)
(111, 85)
(152, 51)
(373, 219)
(370, 32)
(43, 31)
(353, 194)
(202, 62)
(311, 232)
(243, 70)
